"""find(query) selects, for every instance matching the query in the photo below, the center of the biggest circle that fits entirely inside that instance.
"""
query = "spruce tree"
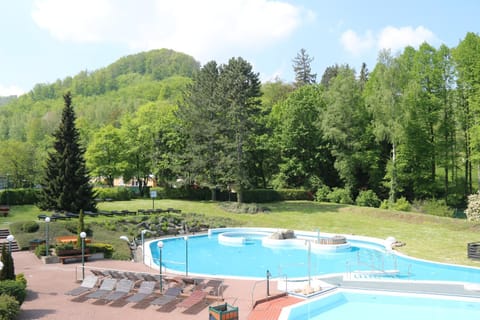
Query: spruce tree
(303, 69)
(66, 184)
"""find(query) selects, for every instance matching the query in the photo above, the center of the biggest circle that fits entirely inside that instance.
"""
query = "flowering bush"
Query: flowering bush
(473, 208)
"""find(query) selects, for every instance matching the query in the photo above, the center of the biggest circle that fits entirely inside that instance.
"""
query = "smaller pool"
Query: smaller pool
(240, 238)
(360, 305)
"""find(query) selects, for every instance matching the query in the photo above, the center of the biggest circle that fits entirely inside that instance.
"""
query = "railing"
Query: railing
(376, 264)
(256, 285)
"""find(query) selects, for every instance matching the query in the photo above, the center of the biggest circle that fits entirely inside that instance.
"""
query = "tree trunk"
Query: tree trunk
(214, 193)
(240, 196)
(393, 181)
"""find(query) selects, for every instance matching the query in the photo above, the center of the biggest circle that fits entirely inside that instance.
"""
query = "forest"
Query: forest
(408, 129)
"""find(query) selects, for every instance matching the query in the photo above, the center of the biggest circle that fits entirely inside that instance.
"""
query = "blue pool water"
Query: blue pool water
(367, 306)
(252, 259)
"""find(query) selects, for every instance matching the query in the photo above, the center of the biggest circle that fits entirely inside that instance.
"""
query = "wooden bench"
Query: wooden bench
(76, 257)
(4, 211)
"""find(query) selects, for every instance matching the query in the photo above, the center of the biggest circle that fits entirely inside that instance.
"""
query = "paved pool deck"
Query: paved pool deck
(47, 284)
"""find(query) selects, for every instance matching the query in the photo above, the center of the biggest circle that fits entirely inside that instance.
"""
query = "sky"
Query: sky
(45, 40)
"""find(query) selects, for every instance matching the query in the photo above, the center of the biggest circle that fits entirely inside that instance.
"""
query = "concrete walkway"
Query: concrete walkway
(420, 287)
(47, 284)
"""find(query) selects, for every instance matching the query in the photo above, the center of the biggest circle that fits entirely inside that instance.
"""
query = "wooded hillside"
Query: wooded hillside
(410, 128)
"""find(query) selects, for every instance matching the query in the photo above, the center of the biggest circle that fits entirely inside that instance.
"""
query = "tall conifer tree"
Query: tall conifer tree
(303, 69)
(66, 184)
(8, 269)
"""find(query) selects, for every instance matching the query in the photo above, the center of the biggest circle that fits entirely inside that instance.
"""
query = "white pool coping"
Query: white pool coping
(285, 314)
(301, 235)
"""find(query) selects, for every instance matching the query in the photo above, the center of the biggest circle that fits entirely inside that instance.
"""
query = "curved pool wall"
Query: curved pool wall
(371, 305)
(252, 258)
(240, 237)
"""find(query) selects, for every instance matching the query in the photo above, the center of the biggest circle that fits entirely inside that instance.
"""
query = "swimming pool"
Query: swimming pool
(246, 254)
(349, 304)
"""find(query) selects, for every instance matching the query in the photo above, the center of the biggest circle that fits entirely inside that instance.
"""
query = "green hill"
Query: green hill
(101, 97)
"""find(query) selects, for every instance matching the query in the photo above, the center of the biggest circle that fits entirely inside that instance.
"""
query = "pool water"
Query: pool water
(370, 306)
(251, 259)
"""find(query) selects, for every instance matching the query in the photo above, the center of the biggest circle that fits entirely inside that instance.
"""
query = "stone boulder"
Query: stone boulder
(283, 235)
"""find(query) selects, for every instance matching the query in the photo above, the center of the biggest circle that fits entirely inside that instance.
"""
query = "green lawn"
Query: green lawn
(428, 237)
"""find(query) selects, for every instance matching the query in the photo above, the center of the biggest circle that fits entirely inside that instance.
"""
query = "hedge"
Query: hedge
(30, 196)
(106, 248)
(115, 193)
(19, 196)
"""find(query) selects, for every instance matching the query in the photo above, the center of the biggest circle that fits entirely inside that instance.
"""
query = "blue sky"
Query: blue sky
(45, 40)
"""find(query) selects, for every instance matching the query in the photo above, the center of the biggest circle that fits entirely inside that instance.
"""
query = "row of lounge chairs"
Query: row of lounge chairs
(132, 287)
(69, 215)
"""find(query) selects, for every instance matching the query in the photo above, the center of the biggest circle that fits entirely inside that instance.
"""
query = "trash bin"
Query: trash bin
(35, 243)
(223, 312)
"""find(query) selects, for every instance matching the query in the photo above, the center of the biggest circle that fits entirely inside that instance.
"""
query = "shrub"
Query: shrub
(322, 194)
(30, 227)
(16, 289)
(9, 307)
(115, 193)
(40, 250)
(339, 195)
(436, 208)
(72, 227)
(21, 278)
(106, 248)
(473, 207)
(261, 195)
(401, 204)
(242, 207)
(368, 198)
(384, 204)
(294, 194)
(65, 246)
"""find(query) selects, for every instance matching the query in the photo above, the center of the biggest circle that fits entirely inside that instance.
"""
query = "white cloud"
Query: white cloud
(356, 44)
(398, 38)
(388, 38)
(80, 21)
(204, 29)
(10, 91)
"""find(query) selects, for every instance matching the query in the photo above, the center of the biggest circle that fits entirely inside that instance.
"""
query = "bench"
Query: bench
(75, 257)
(4, 211)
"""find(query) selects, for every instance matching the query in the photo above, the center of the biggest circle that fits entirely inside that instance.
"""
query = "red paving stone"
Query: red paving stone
(47, 284)
(271, 310)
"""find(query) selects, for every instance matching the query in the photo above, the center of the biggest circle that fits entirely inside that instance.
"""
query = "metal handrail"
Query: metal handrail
(252, 292)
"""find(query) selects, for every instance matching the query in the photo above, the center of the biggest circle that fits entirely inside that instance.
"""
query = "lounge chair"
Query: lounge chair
(132, 276)
(145, 290)
(170, 295)
(99, 273)
(90, 213)
(106, 287)
(124, 287)
(216, 287)
(149, 277)
(194, 298)
(87, 284)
